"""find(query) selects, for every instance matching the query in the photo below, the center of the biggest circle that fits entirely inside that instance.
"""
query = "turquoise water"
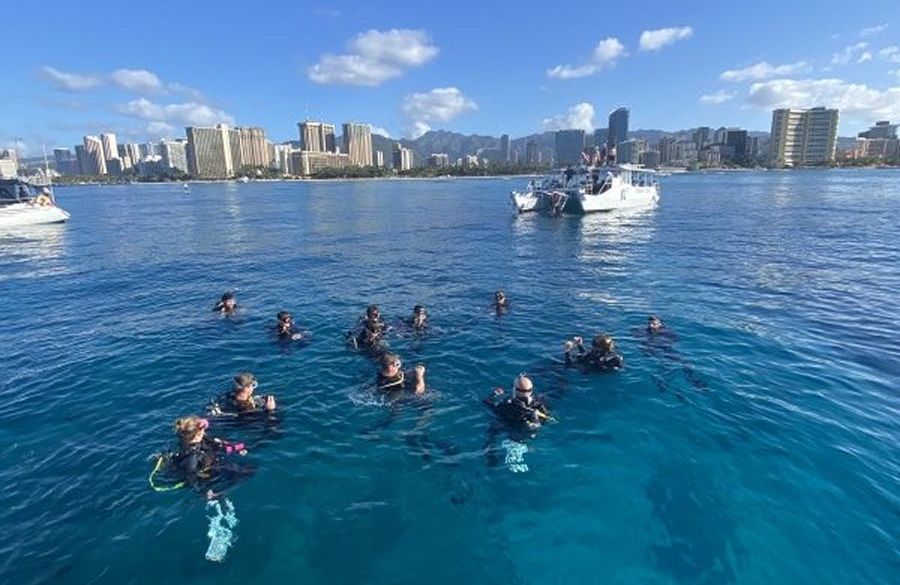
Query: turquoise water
(760, 447)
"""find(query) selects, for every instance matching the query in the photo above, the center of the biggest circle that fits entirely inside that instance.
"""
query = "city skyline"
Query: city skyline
(405, 69)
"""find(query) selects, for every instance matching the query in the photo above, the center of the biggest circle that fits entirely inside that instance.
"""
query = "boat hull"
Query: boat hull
(23, 214)
(623, 197)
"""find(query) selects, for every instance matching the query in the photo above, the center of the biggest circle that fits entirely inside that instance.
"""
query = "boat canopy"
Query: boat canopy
(15, 191)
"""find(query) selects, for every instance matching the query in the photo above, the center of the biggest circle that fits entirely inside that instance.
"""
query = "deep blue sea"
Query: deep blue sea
(761, 446)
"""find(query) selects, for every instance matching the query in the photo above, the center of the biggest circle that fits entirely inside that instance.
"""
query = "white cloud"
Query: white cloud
(872, 31)
(441, 104)
(375, 56)
(854, 100)
(605, 54)
(580, 116)
(69, 81)
(891, 54)
(866, 56)
(137, 80)
(379, 130)
(654, 40)
(848, 54)
(762, 70)
(719, 97)
(160, 129)
(184, 114)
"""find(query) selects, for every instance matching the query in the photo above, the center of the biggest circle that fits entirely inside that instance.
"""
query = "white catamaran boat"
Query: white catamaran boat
(589, 189)
(21, 205)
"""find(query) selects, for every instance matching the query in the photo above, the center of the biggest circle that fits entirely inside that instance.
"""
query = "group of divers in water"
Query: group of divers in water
(207, 464)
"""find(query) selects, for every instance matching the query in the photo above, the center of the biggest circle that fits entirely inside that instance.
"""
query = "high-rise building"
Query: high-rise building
(600, 136)
(248, 147)
(531, 152)
(568, 145)
(80, 159)
(209, 152)
(618, 127)
(308, 162)
(173, 155)
(504, 148)
(803, 137)
(316, 136)
(282, 158)
(649, 158)
(439, 159)
(665, 146)
(131, 151)
(379, 158)
(358, 144)
(629, 151)
(403, 158)
(110, 150)
(737, 141)
(66, 164)
(702, 137)
(146, 149)
(94, 162)
(883, 129)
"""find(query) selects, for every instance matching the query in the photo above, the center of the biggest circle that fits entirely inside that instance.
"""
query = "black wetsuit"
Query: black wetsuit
(394, 384)
(595, 359)
(229, 405)
(201, 464)
(517, 411)
(368, 334)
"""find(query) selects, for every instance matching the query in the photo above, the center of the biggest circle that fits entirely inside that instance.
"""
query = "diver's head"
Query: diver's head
(285, 320)
(372, 312)
(190, 429)
(654, 323)
(391, 364)
(523, 386)
(244, 384)
(228, 301)
(45, 191)
(500, 298)
(603, 342)
(419, 315)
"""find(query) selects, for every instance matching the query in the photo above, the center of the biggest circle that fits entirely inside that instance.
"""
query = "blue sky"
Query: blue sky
(145, 70)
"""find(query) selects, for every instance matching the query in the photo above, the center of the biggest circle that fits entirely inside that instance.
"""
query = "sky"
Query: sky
(147, 70)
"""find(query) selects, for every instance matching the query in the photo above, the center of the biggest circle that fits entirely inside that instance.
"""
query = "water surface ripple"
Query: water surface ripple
(761, 447)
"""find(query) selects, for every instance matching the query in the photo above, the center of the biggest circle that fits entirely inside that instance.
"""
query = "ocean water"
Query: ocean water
(760, 446)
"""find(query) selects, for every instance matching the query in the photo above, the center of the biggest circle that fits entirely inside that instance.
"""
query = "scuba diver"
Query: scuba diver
(518, 417)
(391, 379)
(369, 331)
(201, 461)
(241, 400)
(284, 327)
(501, 303)
(523, 408)
(658, 340)
(601, 357)
(227, 305)
(419, 319)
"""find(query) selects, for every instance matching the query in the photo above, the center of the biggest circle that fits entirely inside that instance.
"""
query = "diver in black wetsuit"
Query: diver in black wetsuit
(391, 379)
(369, 331)
(501, 303)
(241, 401)
(523, 408)
(419, 319)
(201, 461)
(658, 340)
(601, 357)
(227, 305)
(284, 327)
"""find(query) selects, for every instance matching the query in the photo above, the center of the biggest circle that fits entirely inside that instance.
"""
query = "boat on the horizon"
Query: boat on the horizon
(21, 204)
(589, 189)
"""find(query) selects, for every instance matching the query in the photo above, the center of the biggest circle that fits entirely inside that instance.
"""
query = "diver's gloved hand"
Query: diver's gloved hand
(270, 403)
(568, 346)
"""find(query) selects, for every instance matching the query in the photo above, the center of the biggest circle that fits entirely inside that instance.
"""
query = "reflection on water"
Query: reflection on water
(33, 251)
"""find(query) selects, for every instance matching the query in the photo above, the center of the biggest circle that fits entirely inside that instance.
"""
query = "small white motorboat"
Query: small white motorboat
(22, 204)
(589, 189)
